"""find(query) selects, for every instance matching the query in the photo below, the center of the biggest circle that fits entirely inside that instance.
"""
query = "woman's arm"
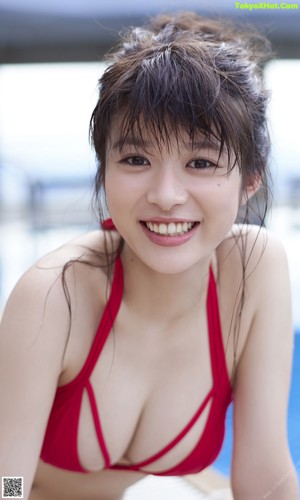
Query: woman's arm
(261, 466)
(33, 336)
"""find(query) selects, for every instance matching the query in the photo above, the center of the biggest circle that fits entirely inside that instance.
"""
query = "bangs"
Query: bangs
(167, 96)
(153, 133)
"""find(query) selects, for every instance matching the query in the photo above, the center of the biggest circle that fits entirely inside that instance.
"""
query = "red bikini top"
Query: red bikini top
(60, 442)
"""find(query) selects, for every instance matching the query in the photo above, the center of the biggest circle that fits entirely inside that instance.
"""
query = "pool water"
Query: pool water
(223, 461)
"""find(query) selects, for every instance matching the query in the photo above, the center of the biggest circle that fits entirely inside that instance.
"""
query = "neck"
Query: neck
(163, 296)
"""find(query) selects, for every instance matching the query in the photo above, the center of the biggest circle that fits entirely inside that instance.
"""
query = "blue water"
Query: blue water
(223, 461)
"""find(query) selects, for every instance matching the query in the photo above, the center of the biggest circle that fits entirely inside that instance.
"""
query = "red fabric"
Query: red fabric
(108, 224)
(60, 442)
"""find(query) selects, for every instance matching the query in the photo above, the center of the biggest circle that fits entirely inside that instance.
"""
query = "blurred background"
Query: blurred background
(51, 56)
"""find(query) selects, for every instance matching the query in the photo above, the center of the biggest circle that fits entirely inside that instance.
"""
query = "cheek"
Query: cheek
(224, 190)
(232, 188)
(114, 200)
(111, 191)
(119, 195)
(224, 199)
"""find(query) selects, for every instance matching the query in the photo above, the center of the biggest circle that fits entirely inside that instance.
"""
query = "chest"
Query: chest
(147, 384)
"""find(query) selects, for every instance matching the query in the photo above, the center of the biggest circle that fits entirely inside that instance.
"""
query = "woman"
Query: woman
(121, 350)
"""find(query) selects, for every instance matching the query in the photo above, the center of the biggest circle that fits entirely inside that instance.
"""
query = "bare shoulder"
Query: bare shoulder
(41, 292)
(56, 300)
(76, 261)
(253, 282)
(254, 249)
(254, 260)
(93, 247)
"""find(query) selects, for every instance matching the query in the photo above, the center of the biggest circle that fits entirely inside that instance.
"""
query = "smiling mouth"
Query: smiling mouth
(171, 228)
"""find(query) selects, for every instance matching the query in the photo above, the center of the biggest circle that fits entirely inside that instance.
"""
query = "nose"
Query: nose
(167, 188)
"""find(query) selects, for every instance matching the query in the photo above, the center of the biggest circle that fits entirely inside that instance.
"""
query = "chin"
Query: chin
(171, 263)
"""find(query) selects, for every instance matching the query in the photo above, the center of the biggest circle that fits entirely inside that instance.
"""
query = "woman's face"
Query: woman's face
(174, 204)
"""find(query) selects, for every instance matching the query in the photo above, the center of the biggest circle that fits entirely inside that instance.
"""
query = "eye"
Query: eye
(135, 161)
(201, 164)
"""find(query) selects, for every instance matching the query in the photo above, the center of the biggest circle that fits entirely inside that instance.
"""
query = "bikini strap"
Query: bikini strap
(110, 312)
(218, 358)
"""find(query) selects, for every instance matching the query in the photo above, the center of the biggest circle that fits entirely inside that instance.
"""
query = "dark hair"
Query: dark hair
(186, 72)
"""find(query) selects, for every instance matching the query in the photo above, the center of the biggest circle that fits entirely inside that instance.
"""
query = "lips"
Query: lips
(169, 228)
(169, 233)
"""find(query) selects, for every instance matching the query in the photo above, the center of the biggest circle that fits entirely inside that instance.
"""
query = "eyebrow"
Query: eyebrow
(130, 141)
(214, 144)
(192, 145)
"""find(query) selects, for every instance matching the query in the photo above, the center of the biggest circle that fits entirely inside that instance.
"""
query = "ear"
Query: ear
(250, 188)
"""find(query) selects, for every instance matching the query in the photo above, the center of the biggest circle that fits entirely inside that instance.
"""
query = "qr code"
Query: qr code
(12, 487)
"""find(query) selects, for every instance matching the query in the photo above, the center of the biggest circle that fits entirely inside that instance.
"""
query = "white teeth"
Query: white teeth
(162, 229)
(171, 229)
